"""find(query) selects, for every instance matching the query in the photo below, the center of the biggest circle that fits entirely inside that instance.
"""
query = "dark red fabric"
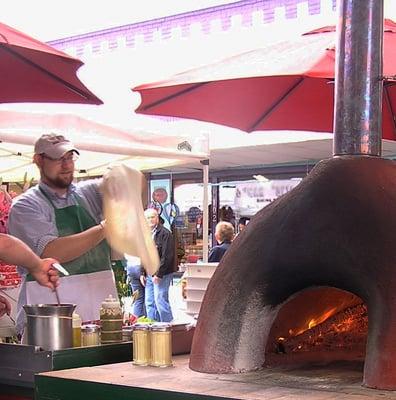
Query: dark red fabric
(32, 71)
(284, 86)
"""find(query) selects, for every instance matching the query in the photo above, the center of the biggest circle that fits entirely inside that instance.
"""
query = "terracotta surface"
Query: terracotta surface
(337, 229)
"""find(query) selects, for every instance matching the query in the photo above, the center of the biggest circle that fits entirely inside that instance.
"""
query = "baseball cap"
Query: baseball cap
(53, 145)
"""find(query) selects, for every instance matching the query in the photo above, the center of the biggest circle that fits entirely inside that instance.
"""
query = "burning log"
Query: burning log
(347, 329)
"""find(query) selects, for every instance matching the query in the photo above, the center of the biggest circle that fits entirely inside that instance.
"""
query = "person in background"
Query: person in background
(13, 251)
(58, 218)
(5, 306)
(134, 271)
(157, 286)
(224, 235)
(243, 221)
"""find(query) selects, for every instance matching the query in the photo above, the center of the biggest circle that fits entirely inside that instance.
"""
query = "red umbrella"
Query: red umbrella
(32, 71)
(283, 86)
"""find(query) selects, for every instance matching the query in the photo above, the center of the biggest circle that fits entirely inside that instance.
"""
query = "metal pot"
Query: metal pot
(49, 325)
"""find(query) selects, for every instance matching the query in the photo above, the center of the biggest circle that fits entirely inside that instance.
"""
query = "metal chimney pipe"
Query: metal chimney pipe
(358, 78)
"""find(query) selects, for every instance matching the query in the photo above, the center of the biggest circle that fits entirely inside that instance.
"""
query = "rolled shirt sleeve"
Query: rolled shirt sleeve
(33, 222)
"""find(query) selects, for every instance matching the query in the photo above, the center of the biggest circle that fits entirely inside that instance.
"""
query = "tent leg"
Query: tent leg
(205, 233)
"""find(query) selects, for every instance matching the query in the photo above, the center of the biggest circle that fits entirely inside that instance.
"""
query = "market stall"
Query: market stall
(101, 146)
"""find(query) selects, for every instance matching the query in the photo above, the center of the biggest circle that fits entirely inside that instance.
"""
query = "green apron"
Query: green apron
(91, 277)
(75, 219)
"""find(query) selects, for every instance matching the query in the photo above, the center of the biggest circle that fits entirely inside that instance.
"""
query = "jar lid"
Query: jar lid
(161, 326)
(111, 302)
(141, 327)
(90, 328)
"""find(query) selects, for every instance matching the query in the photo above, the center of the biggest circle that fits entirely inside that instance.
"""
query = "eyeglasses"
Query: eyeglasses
(63, 160)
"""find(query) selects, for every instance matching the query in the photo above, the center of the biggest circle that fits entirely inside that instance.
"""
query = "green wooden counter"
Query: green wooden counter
(19, 363)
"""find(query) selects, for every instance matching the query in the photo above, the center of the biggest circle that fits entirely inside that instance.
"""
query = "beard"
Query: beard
(62, 181)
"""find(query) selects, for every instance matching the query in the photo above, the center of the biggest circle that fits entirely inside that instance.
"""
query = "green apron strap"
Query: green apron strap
(47, 197)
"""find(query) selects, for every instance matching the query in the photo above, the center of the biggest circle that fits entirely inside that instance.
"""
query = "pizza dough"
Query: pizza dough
(126, 228)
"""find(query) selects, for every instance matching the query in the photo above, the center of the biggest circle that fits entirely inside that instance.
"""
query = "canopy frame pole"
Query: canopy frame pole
(205, 214)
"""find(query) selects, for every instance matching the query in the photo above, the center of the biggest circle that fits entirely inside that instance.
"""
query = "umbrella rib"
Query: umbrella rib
(50, 74)
(172, 96)
(274, 106)
(389, 104)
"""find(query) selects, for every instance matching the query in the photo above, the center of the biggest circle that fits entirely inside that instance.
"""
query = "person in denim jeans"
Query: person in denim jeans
(134, 270)
(157, 285)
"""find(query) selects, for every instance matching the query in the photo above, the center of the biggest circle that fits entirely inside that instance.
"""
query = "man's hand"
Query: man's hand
(45, 274)
(156, 280)
(5, 306)
(143, 280)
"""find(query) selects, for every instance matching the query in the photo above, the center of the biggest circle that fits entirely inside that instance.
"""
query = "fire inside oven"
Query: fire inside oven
(331, 325)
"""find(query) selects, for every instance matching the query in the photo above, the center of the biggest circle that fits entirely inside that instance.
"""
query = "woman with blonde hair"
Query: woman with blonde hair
(224, 234)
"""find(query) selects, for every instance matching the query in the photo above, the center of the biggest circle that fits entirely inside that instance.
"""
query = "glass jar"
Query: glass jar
(90, 335)
(141, 344)
(161, 344)
(111, 318)
(76, 322)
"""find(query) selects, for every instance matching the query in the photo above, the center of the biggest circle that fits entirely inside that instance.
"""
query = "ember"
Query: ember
(346, 329)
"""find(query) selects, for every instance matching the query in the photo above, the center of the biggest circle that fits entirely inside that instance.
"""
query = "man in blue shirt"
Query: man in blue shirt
(63, 220)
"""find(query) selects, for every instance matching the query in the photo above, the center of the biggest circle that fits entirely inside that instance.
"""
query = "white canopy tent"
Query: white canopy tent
(101, 145)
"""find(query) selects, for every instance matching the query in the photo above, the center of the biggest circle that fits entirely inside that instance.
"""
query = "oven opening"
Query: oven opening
(318, 326)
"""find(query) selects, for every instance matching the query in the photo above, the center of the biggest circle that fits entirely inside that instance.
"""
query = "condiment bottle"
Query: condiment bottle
(141, 344)
(90, 335)
(111, 318)
(76, 323)
(161, 344)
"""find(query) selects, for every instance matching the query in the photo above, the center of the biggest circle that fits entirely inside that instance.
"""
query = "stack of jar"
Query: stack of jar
(110, 331)
(111, 318)
(152, 344)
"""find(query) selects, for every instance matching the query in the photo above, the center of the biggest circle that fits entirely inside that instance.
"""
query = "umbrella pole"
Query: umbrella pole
(358, 79)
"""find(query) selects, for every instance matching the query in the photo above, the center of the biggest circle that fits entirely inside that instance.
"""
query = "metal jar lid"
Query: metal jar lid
(141, 327)
(161, 327)
(90, 328)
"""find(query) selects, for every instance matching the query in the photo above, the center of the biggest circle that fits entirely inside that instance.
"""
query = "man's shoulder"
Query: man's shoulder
(32, 195)
(88, 185)
(89, 188)
(164, 231)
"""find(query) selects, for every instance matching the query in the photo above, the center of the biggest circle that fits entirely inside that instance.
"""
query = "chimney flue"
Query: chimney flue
(358, 79)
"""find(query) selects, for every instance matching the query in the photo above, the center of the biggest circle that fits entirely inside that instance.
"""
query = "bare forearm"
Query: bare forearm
(68, 248)
(14, 251)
